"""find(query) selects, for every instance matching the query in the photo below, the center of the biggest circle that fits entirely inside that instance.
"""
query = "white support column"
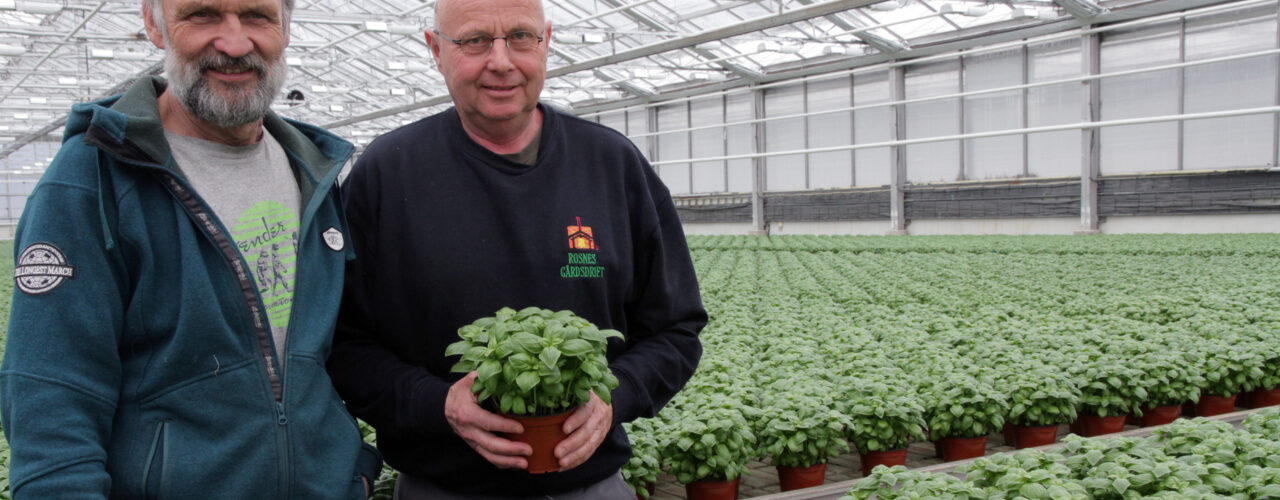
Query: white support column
(758, 223)
(897, 153)
(1090, 170)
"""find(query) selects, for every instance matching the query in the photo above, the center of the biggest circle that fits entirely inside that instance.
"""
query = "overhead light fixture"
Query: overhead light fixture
(395, 65)
(336, 108)
(789, 48)
(21, 116)
(38, 100)
(378, 26)
(8, 5)
(887, 6)
(1031, 13)
(40, 8)
(12, 50)
(102, 53)
(398, 91)
(67, 80)
(768, 47)
(833, 50)
(320, 89)
(593, 37)
(965, 10)
(712, 45)
(293, 61)
(417, 66)
(404, 29)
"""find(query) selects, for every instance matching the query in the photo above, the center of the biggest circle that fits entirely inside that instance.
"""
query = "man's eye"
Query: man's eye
(476, 41)
(520, 36)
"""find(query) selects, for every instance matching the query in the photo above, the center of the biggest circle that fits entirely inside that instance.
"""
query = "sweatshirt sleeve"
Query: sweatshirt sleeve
(62, 372)
(663, 349)
(377, 385)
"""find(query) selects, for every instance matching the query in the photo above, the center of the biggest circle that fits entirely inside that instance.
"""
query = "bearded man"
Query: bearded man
(144, 360)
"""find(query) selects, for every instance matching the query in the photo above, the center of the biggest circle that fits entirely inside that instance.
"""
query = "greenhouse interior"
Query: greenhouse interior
(912, 222)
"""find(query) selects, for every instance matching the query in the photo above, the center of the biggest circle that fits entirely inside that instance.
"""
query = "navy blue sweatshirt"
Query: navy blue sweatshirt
(446, 232)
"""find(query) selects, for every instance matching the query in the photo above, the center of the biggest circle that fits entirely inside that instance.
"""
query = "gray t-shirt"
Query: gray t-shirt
(253, 193)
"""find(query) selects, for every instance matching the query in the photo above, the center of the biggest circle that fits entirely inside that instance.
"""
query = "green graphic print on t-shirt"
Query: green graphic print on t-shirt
(267, 234)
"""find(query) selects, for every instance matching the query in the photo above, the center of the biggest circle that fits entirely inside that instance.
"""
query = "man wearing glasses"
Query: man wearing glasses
(505, 202)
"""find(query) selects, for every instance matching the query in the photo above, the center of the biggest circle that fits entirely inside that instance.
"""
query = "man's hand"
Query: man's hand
(587, 428)
(477, 426)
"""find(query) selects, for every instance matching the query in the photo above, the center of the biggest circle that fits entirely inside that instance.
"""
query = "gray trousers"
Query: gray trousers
(613, 488)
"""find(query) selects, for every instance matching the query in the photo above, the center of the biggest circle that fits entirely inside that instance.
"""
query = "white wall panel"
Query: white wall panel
(993, 157)
(740, 139)
(785, 173)
(835, 169)
(1140, 148)
(674, 146)
(1054, 154)
(1244, 141)
(937, 161)
(708, 177)
(871, 125)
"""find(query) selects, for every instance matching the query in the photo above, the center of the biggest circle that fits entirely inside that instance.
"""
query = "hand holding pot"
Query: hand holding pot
(587, 428)
(477, 427)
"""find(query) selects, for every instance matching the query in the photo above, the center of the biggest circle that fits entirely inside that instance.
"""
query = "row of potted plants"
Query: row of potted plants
(1186, 459)
(958, 344)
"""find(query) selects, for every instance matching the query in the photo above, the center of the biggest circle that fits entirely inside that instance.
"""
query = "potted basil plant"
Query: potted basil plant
(536, 365)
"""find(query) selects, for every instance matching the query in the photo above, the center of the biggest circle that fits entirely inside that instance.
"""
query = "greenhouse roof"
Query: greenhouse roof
(363, 67)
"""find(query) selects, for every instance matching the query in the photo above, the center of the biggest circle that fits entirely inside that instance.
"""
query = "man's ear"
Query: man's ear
(433, 41)
(153, 30)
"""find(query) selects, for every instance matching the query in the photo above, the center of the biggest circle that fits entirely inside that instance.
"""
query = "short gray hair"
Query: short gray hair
(157, 12)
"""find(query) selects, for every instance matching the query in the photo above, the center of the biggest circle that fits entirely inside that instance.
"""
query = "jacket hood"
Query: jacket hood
(129, 126)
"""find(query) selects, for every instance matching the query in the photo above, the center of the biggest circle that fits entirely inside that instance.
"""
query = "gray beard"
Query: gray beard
(191, 87)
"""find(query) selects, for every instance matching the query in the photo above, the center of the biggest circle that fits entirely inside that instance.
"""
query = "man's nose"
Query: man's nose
(232, 38)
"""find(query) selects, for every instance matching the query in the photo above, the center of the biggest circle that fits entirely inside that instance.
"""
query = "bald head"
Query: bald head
(448, 12)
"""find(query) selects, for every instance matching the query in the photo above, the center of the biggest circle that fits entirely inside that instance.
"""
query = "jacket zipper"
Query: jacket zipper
(256, 310)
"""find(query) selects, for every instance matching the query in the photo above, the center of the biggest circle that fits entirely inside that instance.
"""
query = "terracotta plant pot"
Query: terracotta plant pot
(958, 448)
(1097, 426)
(1132, 419)
(1031, 437)
(712, 490)
(1263, 398)
(794, 478)
(1010, 439)
(1211, 405)
(1077, 427)
(1160, 415)
(886, 458)
(543, 434)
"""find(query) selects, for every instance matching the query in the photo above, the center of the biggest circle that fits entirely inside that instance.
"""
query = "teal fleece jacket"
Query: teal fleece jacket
(139, 363)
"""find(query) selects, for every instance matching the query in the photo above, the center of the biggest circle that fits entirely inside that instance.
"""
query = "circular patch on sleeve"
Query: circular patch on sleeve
(333, 238)
(41, 267)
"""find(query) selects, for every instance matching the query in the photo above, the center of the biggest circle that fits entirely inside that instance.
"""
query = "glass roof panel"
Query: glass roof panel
(363, 67)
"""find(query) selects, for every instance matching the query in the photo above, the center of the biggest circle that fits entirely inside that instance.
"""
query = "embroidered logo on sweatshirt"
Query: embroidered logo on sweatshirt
(41, 268)
(582, 253)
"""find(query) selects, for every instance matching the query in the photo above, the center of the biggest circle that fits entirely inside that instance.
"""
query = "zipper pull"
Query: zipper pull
(282, 420)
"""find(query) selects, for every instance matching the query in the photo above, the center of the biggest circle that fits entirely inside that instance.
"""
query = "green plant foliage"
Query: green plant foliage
(1025, 474)
(964, 406)
(882, 417)
(711, 440)
(1040, 396)
(800, 429)
(643, 468)
(535, 361)
(898, 482)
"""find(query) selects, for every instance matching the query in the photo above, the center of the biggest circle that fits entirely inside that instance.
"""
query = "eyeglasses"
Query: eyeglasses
(480, 43)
